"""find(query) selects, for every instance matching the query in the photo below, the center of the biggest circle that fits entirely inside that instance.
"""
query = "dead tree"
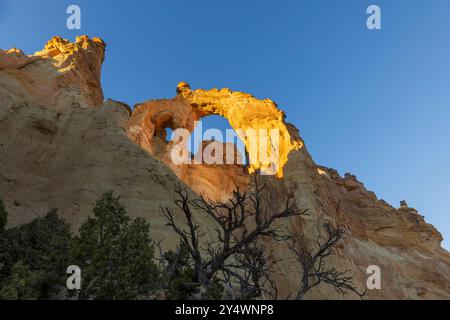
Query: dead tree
(240, 223)
(250, 273)
(314, 267)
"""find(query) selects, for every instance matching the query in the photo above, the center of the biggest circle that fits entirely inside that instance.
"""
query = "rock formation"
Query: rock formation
(62, 73)
(62, 146)
(244, 111)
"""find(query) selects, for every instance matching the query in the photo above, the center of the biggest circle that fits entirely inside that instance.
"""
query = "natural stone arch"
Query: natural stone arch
(244, 112)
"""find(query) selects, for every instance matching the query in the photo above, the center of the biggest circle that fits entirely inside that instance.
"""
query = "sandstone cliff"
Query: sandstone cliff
(62, 146)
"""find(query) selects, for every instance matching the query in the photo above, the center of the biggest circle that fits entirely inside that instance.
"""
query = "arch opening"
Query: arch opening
(217, 129)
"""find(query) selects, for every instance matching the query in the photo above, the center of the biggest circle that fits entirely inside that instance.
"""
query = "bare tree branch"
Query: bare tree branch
(240, 222)
(314, 268)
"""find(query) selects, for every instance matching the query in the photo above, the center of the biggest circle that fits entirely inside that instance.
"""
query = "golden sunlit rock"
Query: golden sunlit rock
(243, 111)
(150, 120)
(45, 76)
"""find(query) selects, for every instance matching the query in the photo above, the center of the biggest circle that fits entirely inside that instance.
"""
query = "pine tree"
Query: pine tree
(34, 258)
(114, 253)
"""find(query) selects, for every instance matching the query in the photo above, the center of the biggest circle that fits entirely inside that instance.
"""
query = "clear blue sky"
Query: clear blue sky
(374, 103)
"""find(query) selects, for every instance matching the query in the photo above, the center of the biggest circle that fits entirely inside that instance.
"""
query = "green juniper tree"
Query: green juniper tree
(34, 258)
(114, 253)
(23, 283)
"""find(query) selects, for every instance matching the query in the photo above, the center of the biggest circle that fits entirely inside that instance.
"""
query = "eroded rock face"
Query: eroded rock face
(147, 128)
(150, 120)
(62, 146)
(61, 74)
(399, 241)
